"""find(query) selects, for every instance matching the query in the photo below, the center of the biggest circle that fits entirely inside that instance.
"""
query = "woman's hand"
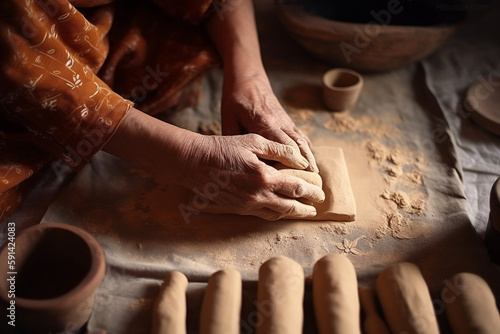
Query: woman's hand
(251, 187)
(246, 185)
(248, 102)
(250, 106)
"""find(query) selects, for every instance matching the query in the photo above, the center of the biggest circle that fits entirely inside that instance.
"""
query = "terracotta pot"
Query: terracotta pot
(341, 88)
(372, 46)
(59, 268)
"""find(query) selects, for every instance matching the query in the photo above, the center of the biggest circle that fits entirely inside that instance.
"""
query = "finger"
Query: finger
(294, 187)
(282, 137)
(305, 149)
(285, 208)
(270, 150)
(303, 135)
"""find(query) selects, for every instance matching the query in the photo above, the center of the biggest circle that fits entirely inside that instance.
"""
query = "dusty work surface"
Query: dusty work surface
(403, 168)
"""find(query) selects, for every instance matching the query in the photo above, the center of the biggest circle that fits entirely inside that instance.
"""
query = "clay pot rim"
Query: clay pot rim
(84, 289)
(477, 111)
(317, 27)
(349, 88)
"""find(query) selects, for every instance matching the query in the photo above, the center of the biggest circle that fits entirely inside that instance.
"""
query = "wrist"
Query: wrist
(246, 85)
(160, 148)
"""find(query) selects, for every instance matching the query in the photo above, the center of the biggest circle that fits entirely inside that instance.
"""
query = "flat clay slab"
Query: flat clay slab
(484, 103)
(339, 204)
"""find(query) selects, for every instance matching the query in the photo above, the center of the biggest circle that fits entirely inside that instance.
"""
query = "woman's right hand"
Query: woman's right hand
(250, 186)
(229, 171)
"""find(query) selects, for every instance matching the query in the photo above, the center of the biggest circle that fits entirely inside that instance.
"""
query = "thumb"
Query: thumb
(270, 150)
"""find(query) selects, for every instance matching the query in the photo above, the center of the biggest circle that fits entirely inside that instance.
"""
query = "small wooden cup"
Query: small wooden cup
(341, 88)
(56, 271)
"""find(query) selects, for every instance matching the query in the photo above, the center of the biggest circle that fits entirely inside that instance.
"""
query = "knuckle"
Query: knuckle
(253, 139)
(249, 199)
(253, 136)
(288, 150)
(272, 148)
(299, 190)
(302, 142)
(267, 180)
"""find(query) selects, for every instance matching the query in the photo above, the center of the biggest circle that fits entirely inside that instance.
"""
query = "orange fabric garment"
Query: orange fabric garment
(68, 75)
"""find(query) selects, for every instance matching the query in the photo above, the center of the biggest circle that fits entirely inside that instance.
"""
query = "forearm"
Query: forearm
(152, 144)
(235, 36)
(248, 102)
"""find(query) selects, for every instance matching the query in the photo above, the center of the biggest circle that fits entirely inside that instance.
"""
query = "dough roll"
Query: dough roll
(280, 296)
(169, 313)
(220, 312)
(405, 300)
(335, 295)
(470, 305)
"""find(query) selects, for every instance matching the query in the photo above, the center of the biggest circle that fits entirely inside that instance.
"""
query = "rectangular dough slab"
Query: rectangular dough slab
(339, 204)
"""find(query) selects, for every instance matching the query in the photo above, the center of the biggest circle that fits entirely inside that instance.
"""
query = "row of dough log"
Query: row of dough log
(220, 312)
(407, 306)
(400, 289)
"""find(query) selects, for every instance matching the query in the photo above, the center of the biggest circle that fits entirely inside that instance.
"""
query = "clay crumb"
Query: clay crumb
(415, 177)
(397, 226)
(381, 231)
(301, 115)
(337, 228)
(395, 158)
(394, 171)
(376, 151)
(340, 123)
(418, 206)
(340, 229)
(401, 199)
(386, 194)
(395, 221)
(283, 238)
(279, 237)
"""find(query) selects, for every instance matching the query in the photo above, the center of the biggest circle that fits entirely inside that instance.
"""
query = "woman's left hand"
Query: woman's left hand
(250, 106)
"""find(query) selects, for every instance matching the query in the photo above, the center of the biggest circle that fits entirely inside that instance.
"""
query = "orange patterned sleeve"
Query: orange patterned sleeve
(50, 55)
(52, 104)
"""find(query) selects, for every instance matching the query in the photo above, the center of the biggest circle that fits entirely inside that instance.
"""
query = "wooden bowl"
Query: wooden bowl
(372, 45)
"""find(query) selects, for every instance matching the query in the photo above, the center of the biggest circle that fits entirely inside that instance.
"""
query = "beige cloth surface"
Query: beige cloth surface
(404, 171)
(144, 234)
(468, 57)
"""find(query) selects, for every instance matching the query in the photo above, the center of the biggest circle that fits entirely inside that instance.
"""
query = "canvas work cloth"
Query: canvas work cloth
(409, 154)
